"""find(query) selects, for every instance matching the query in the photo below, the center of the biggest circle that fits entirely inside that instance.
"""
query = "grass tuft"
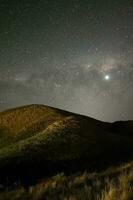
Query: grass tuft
(116, 185)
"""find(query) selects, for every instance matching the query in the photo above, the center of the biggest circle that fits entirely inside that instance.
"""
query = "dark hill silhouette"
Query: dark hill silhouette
(38, 141)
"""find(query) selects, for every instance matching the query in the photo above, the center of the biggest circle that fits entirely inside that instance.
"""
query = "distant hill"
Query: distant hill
(38, 141)
(24, 121)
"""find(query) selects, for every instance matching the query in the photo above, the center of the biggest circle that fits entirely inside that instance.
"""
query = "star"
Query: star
(107, 77)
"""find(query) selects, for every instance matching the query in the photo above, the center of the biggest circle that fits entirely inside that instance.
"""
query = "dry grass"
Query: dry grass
(116, 185)
(26, 121)
(45, 130)
(19, 118)
(122, 189)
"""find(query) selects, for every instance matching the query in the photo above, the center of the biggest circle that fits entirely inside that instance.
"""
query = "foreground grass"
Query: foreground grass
(121, 189)
(112, 184)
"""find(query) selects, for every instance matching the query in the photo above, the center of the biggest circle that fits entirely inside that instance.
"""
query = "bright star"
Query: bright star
(107, 77)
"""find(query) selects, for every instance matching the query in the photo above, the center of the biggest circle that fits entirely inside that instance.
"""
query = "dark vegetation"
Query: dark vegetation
(38, 142)
(115, 183)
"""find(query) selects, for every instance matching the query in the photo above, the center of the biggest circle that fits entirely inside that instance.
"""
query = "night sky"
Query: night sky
(76, 55)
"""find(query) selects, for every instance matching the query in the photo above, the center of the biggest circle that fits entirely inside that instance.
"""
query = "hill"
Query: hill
(26, 121)
(39, 141)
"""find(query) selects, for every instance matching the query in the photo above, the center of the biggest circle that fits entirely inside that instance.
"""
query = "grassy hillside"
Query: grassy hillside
(20, 123)
(111, 184)
(37, 142)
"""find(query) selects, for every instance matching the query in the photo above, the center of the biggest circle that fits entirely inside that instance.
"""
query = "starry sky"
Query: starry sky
(76, 55)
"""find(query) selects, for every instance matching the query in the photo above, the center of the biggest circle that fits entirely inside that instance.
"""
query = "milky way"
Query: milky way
(74, 55)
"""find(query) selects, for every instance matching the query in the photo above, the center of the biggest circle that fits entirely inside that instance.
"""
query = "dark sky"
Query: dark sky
(71, 54)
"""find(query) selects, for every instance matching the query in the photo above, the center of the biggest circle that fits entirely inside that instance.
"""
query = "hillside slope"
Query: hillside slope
(20, 123)
(111, 184)
(38, 141)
